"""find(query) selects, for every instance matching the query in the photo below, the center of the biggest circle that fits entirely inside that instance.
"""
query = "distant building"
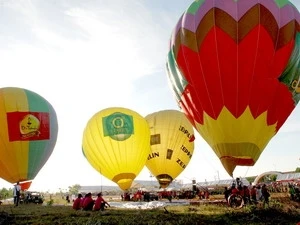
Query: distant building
(153, 185)
(146, 185)
(293, 176)
(221, 183)
(97, 189)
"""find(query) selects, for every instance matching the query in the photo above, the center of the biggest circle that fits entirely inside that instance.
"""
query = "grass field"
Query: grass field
(281, 211)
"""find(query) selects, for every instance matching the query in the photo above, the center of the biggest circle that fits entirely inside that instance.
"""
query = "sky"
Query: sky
(84, 56)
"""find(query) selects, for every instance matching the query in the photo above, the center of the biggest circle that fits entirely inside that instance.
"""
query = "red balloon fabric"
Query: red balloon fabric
(234, 68)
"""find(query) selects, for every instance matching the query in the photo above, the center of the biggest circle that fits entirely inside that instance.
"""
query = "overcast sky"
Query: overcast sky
(87, 55)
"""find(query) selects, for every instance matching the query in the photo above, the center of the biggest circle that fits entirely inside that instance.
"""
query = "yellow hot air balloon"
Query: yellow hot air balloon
(172, 145)
(116, 142)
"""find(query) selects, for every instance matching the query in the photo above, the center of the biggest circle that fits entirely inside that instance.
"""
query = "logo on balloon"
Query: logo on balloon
(118, 126)
(296, 86)
(29, 126)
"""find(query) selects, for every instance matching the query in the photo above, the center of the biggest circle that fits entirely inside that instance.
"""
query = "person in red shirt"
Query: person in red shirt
(234, 190)
(77, 202)
(100, 203)
(247, 195)
(82, 201)
(253, 195)
(88, 202)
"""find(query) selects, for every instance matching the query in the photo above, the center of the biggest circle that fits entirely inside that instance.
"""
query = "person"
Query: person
(258, 193)
(147, 196)
(234, 190)
(88, 202)
(253, 194)
(100, 203)
(16, 193)
(77, 202)
(265, 193)
(169, 196)
(68, 199)
(292, 191)
(246, 196)
(227, 193)
(239, 183)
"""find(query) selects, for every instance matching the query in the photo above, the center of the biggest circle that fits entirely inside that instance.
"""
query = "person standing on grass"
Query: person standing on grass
(265, 193)
(253, 194)
(227, 193)
(16, 193)
(258, 193)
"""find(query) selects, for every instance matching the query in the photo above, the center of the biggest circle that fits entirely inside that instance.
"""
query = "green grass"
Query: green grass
(278, 213)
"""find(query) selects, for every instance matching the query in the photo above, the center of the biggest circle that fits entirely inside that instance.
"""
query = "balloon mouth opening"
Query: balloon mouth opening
(238, 160)
(164, 180)
(230, 162)
(125, 184)
(124, 180)
(25, 185)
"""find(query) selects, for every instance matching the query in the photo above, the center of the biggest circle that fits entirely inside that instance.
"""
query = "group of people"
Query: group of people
(250, 194)
(87, 203)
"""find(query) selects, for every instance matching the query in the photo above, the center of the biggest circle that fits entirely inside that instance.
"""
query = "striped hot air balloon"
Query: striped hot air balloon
(28, 134)
(234, 69)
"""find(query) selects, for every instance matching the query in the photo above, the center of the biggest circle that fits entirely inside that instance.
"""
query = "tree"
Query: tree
(273, 177)
(298, 170)
(251, 179)
(6, 193)
(74, 189)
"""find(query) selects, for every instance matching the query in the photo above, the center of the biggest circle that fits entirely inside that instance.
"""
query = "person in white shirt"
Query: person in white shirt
(258, 193)
(16, 193)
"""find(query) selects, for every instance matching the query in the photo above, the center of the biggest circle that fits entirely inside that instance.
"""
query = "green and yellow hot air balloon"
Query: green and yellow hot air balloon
(28, 134)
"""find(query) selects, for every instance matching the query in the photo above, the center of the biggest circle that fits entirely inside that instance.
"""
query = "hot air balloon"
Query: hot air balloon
(172, 145)
(234, 69)
(28, 134)
(116, 142)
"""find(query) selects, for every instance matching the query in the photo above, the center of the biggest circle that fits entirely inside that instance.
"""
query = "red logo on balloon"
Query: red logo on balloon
(28, 126)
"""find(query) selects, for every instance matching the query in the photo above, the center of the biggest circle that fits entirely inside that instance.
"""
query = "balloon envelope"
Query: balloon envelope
(116, 142)
(25, 185)
(172, 145)
(28, 134)
(234, 68)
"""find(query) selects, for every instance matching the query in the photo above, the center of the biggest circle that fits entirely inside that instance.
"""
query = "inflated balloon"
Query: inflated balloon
(25, 185)
(28, 134)
(234, 68)
(116, 142)
(172, 145)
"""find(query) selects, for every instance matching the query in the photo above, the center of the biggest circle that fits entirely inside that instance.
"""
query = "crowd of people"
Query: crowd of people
(251, 194)
(87, 203)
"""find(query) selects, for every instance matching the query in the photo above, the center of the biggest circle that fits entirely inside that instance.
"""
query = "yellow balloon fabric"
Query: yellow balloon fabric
(172, 145)
(116, 142)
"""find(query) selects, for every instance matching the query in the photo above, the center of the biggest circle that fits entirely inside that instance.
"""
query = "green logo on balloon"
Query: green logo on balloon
(118, 126)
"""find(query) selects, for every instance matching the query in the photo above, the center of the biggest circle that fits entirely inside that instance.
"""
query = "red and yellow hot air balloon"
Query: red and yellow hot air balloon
(172, 145)
(234, 68)
(28, 134)
(116, 142)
